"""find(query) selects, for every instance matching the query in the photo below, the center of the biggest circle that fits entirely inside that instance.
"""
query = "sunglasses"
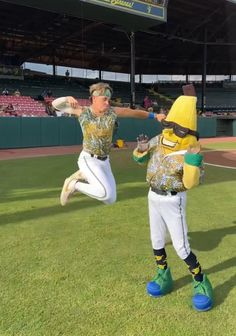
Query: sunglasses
(180, 131)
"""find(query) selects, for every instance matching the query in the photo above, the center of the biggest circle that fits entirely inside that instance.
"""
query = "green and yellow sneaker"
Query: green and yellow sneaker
(161, 284)
(202, 294)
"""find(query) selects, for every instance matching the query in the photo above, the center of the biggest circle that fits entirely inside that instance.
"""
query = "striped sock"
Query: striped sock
(160, 257)
(194, 266)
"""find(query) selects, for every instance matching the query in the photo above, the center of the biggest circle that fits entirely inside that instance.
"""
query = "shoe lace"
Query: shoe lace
(200, 288)
(159, 275)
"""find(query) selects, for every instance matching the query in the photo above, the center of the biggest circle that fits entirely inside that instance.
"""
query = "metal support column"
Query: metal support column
(132, 68)
(54, 72)
(204, 73)
(187, 78)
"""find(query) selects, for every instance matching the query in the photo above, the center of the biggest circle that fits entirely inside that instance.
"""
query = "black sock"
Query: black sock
(194, 266)
(160, 257)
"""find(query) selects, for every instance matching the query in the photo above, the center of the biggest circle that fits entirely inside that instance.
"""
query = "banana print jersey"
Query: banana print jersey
(97, 131)
(164, 172)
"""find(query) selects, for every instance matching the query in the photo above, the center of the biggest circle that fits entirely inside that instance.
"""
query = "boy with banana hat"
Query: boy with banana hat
(174, 166)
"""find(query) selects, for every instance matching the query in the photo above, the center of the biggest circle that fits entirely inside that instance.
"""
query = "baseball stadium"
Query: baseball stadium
(118, 167)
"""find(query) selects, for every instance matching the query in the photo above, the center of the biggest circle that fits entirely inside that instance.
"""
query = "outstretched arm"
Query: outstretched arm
(67, 105)
(125, 112)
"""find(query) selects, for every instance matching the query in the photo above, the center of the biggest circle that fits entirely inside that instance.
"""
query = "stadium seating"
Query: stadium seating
(217, 97)
(24, 106)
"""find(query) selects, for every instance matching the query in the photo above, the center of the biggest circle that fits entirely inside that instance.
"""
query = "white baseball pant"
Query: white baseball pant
(168, 213)
(101, 183)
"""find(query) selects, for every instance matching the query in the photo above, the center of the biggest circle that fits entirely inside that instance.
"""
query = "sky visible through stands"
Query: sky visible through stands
(92, 74)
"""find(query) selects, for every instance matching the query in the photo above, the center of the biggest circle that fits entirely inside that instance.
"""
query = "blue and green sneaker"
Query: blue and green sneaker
(161, 284)
(202, 294)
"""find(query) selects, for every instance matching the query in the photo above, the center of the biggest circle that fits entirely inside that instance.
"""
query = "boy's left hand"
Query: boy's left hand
(142, 141)
(160, 116)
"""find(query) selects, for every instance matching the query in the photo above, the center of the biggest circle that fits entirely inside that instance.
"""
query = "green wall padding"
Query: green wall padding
(10, 132)
(234, 127)
(207, 127)
(130, 128)
(50, 131)
(30, 132)
(65, 131)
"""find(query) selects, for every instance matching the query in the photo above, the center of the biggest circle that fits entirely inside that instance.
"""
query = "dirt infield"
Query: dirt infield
(224, 158)
(219, 157)
(19, 153)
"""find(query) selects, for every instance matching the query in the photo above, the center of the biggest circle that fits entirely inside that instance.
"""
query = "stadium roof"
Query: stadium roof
(62, 35)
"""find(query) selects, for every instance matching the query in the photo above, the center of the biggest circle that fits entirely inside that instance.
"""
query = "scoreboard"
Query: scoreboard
(152, 9)
(131, 14)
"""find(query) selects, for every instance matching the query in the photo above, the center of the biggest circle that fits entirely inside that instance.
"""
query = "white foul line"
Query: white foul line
(215, 165)
(218, 150)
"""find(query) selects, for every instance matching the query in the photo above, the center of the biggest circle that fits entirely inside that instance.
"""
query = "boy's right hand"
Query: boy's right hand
(194, 149)
(73, 102)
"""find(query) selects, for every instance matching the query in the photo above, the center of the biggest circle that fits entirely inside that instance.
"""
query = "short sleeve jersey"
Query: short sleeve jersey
(97, 131)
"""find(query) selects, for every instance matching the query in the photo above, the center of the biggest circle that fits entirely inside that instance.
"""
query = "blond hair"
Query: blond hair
(100, 88)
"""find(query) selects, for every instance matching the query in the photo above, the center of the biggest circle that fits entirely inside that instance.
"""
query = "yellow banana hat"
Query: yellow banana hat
(184, 112)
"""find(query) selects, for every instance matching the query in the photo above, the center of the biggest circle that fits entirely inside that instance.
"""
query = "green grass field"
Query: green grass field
(82, 269)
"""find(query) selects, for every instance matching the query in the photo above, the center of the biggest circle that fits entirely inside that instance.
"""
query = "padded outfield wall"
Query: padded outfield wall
(23, 132)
